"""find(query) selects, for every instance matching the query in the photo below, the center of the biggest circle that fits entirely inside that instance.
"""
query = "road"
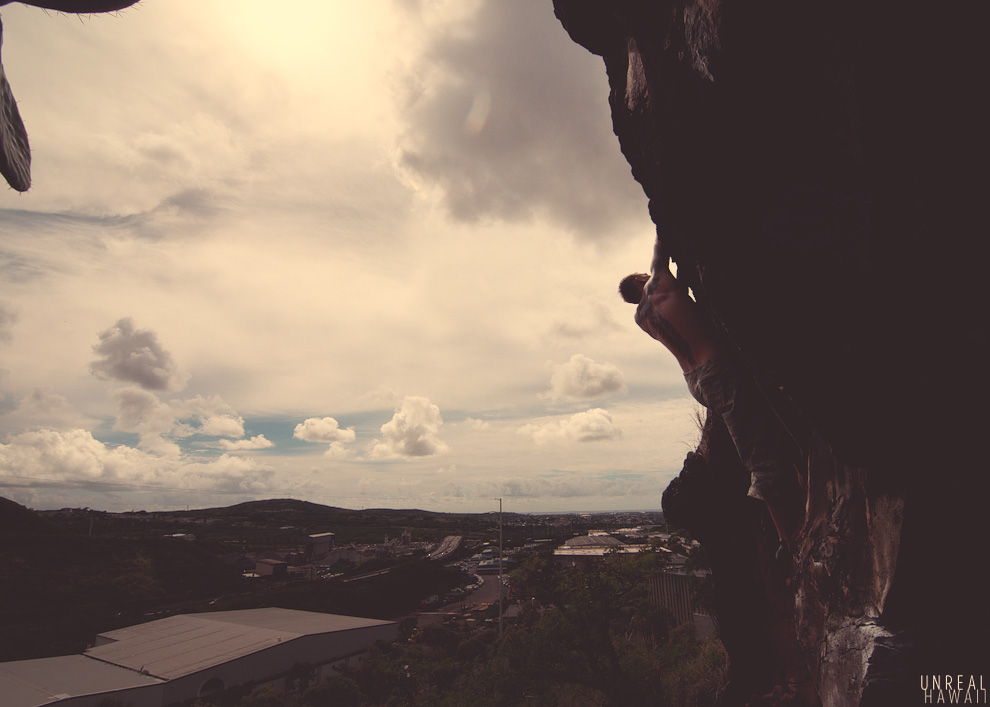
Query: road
(449, 544)
(487, 593)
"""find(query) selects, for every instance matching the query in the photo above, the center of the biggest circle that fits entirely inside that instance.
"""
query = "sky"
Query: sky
(359, 254)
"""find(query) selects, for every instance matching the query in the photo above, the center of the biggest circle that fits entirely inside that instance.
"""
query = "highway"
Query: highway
(447, 546)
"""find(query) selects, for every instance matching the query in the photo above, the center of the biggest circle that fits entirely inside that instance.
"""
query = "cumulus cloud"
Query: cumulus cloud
(222, 426)
(159, 423)
(209, 416)
(42, 409)
(326, 430)
(141, 411)
(593, 425)
(476, 424)
(256, 442)
(337, 450)
(582, 378)
(73, 454)
(323, 429)
(501, 117)
(412, 432)
(76, 456)
(132, 355)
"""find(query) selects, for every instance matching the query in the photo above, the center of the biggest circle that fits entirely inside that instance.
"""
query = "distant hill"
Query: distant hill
(306, 510)
(15, 518)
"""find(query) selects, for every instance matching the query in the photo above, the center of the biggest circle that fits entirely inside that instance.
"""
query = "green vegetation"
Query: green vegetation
(584, 636)
(387, 596)
(59, 591)
(61, 588)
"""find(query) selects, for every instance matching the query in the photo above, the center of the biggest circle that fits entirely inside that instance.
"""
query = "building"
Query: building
(318, 546)
(590, 548)
(276, 569)
(163, 662)
(506, 565)
(76, 681)
(672, 590)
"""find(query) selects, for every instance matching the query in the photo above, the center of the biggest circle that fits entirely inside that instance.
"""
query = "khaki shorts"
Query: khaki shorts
(756, 432)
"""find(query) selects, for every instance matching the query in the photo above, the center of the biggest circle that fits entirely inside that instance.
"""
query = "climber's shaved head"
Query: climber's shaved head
(631, 287)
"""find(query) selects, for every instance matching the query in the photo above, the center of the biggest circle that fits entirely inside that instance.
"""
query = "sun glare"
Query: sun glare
(335, 58)
(302, 32)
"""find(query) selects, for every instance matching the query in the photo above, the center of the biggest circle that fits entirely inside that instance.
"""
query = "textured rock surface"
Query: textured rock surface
(15, 152)
(812, 169)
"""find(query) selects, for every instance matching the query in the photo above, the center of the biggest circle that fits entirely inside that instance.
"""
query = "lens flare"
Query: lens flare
(478, 115)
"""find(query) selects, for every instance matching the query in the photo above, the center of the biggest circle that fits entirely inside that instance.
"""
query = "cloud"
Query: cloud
(521, 487)
(222, 426)
(586, 319)
(142, 412)
(412, 431)
(135, 355)
(256, 442)
(323, 429)
(8, 317)
(594, 425)
(326, 430)
(381, 396)
(182, 213)
(547, 488)
(75, 455)
(211, 172)
(159, 423)
(208, 416)
(337, 450)
(581, 378)
(500, 120)
(42, 409)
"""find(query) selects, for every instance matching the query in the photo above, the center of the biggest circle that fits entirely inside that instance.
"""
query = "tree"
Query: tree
(264, 696)
(299, 677)
(407, 626)
(339, 691)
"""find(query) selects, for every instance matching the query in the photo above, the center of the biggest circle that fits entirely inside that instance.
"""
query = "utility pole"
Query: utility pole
(501, 585)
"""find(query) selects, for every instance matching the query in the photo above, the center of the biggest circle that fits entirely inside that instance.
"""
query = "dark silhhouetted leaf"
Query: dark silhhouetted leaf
(15, 153)
(80, 6)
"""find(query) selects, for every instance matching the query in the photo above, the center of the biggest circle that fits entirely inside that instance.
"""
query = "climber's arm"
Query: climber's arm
(661, 280)
(661, 258)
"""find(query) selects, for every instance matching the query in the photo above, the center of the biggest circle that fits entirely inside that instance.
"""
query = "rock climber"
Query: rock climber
(667, 312)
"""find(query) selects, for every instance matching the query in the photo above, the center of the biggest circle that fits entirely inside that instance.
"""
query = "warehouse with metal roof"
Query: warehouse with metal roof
(163, 662)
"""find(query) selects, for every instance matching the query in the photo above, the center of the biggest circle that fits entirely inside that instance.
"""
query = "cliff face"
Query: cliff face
(811, 169)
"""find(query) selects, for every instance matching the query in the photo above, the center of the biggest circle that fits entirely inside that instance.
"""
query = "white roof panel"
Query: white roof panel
(179, 645)
(303, 623)
(28, 683)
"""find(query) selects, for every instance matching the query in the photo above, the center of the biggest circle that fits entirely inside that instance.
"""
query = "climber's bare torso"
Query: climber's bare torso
(668, 314)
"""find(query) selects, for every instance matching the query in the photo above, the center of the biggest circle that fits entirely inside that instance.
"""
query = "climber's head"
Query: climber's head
(632, 286)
